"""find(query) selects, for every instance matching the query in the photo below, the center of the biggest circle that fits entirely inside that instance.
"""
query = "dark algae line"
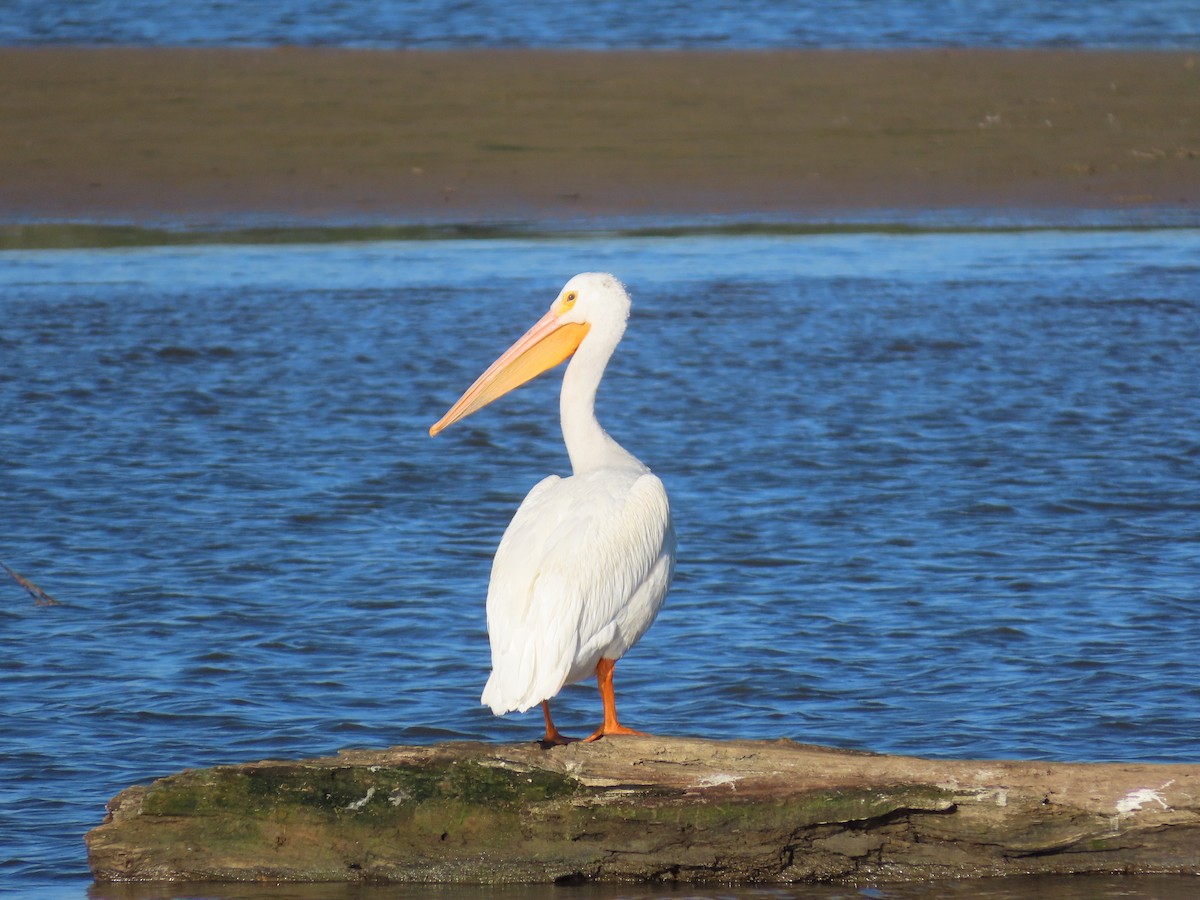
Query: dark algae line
(82, 236)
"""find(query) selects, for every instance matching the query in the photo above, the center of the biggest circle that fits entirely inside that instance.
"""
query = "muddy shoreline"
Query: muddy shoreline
(198, 136)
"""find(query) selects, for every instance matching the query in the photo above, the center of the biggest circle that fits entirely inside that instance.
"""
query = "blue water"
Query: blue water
(936, 494)
(609, 23)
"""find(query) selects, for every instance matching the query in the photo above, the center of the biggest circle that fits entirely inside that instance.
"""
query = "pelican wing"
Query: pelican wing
(580, 573)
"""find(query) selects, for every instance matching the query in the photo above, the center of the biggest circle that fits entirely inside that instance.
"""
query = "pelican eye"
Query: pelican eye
(568, 300)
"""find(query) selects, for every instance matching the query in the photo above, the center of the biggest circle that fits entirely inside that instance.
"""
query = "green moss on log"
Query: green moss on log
(374, 792)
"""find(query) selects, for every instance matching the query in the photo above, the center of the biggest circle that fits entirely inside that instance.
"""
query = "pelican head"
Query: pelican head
(593, 303)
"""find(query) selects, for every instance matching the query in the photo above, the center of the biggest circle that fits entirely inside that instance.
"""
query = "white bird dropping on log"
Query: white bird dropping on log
(584, 566)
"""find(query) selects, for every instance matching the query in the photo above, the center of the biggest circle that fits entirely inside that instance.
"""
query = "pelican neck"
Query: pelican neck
(589, 446)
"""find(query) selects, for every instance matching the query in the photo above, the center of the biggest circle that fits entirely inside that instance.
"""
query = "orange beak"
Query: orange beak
(542, 347)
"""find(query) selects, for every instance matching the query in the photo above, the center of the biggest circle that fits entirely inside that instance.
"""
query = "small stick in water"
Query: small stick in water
(40, 597)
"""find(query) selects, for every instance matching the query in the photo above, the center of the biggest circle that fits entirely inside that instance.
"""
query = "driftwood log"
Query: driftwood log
(648, 808)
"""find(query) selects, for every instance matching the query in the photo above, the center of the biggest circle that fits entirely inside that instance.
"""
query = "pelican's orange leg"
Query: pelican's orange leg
(553, 737)
(604, 674)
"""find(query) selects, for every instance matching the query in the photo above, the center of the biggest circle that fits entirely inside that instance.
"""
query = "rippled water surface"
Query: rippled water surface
(606, 23)
(935, 494)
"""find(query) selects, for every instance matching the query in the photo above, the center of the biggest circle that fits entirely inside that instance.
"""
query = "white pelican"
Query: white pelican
(583, 567)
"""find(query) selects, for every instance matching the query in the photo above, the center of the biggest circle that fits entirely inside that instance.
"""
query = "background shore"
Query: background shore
(196, 136)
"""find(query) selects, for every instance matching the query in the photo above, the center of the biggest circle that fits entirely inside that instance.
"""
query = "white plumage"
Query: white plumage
(584, 566)
(580, 574)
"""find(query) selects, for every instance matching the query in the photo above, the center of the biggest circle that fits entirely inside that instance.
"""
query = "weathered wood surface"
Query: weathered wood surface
(648, 809)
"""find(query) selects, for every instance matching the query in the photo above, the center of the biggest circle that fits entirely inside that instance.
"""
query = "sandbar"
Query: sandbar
(196, 136)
